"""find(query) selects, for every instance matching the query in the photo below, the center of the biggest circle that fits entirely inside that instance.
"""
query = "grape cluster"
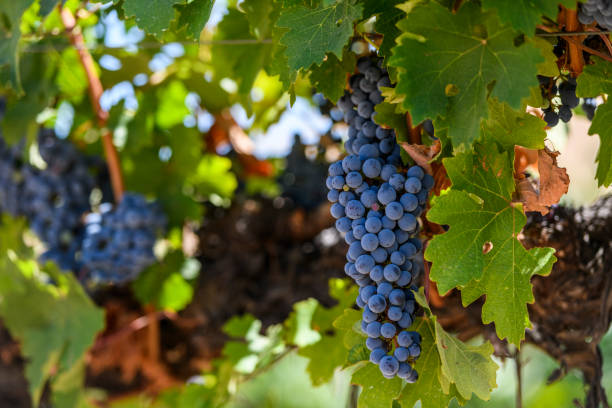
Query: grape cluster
(589, 105)
(596, 10)
(118, 243)
(11, 179)
(562, 98)
(55, 198)
(113, 246)
(376, 203)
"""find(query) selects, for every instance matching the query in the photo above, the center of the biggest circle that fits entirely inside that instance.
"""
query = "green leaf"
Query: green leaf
(427, 389)
(463, 369)
(312, 33)
(329, 353)
(470, 368)
(479, 210)
(387, 17)
(229, 59)
(376, 390)
(171, 109)
(10, 34)
(153, 16)
(213, 176)
(449, 64)
(163, 284)
(55, 324)
(194, 16)
(596, 79)
(259, 13)
(240, 326)
(330, 77)
(71, 78)
(388, 114)
(298, 324)
(510, 127)
(549, 67)
(525, 15)
(601, 126)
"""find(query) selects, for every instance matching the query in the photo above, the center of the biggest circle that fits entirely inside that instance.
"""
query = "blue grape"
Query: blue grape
(367, 292)
(415, 350)
(409, 201)
(335, 169)
(401, 353)
(373, 225)
(408, 249)
(409, 306)
(405, 321)
(355, 249)
(337, 182)
(394, 313)
(397, 297)
(337, 210)
(376, 274)
(405, 339)
(404, 278)
(386, 145)
(377, 303)
(364, 263)
(387, 330)
(349, 238)
(428, 181)
(407, 222)
(368, 198)
(369, 128)
(387, 222)
(387, 171)
(368, 315)
(377, 354)
(384, 289)
(394, 211)
(354, 179)
(371, 168)
(374, 213)
(368, 151)
(328, 183)
(351, 163)
(364, 327)
(343, 225)
(401, 236)
(412, 185)
(397, 181)
(386, 237)
(373, 343)
(344, 197)
(354, 209)
(360, 303)
(373, 329)
(359, 231)
(415, 171)
(332, 196)
(363, 281)
(380, 255)
(386, 194)
(397, 258)
(369, 242)
(365, 109)
(391, 272)
(389, 365)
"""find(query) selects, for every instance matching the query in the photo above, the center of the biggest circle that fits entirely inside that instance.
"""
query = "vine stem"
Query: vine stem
(578, 43)
(519, 383)
(95, 92)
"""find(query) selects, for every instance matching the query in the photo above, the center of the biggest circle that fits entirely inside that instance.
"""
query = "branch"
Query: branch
(95, 92)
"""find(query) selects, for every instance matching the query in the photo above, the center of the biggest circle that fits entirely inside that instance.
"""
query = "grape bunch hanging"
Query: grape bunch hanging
(112, 245)
(376, 202)
(599, 11)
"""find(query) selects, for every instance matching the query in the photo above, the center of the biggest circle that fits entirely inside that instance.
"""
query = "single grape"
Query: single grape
(387, 330)
(389, 365)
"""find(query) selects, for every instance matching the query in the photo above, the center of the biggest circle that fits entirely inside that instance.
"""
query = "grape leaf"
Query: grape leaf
(549, 67)
(153, 16)
(312, 33)
(55, 324)
(10, 33)
(260, 14)
(387, 17)
(376, 390)
(298, 330)
(449, 63)
(330, 77)
(229, 59)
(594, 80)
(163, 284)
(427, 389)
(479, 211)
(329, 353)
(510, 127)
(194, 16)
(525, 15)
